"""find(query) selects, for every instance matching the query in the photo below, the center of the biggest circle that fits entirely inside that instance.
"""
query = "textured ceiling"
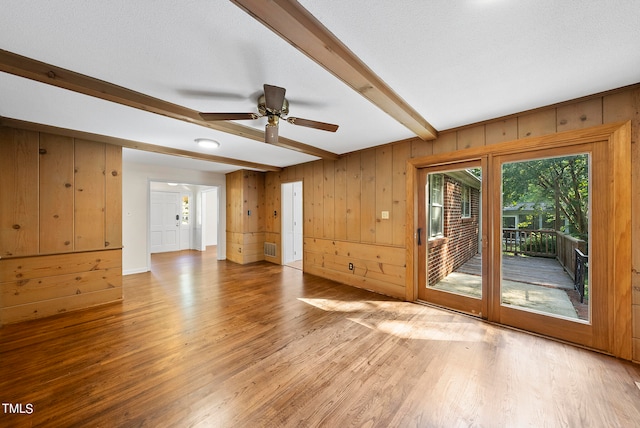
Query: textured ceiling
(455, 62)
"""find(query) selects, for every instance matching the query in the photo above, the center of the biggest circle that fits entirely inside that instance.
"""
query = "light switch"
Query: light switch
(385, 215)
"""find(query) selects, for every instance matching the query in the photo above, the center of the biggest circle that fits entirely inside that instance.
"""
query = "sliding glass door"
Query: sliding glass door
(523, 237)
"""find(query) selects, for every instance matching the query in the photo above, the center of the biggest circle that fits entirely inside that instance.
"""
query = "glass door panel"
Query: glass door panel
(450, 251)
(545, 236)
(550, 243)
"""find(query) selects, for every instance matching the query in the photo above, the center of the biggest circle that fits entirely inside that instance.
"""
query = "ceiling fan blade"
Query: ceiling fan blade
(228, 116)
(274, 97)
(313, 124)
(271, 134)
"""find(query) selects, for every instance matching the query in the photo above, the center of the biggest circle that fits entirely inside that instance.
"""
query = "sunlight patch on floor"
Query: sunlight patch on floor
(425, 330)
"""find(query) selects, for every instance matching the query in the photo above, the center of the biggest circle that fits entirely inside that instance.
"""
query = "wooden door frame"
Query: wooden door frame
(618, 136)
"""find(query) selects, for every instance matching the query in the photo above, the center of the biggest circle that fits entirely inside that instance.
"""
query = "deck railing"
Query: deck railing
(539, 243)
(567, 246)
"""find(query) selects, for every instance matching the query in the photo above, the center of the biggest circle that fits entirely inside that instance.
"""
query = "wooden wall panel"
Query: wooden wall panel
(368, 196)
(579, 115)
(384, 194)
(307, 200)
(401, 153)
(33, 287)
(471, 137)
(19, 228)
(421, 148)
(113, 196)
(318, 194)
(235, 201)
(354, 197)
(538, 123)
(254, 201)
(501, 131)
(56, 193)
(328, 199)
(340, 199)
(273, 195)
(376, 268)
(446, 142)
(89, 215)
(57, 187)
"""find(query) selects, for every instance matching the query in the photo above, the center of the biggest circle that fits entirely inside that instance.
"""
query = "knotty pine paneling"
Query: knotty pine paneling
(471, 137)
(33, 287)
(340, 200)
(401, 152)
(89, 216)
(113, 196)
(420, 148)
(579, 115)
(56, 193)
(19, 227)
(235, 202)
(538, 123)
(328, 199)
(376, 268)
(501, 131)
(368, 196)
(353, 197)
(317, 199)
(246, 218)
(384, 194)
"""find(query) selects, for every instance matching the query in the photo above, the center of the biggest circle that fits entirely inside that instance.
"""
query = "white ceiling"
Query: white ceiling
(455, 62)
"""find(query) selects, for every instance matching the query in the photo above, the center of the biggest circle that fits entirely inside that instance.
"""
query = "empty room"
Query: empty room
(280, 213)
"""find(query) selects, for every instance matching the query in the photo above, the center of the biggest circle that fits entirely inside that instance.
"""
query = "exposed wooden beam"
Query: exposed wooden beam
(300, 28)
(130, 144)
(42, 72)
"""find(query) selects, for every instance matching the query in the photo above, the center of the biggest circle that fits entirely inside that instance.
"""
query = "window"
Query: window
(185, 210)
(466, 202)
(509, 222)
(436, 205)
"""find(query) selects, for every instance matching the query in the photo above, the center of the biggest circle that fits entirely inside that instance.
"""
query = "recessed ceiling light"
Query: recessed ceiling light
(207, 143)
(172, 184)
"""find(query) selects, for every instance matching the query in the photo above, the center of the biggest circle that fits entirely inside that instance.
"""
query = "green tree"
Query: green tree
(561, 183)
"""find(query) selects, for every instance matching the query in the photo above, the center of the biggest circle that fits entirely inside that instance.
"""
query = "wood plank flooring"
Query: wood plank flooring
(201, 342)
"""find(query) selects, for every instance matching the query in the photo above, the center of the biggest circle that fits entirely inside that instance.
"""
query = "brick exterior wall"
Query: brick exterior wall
(460, 240)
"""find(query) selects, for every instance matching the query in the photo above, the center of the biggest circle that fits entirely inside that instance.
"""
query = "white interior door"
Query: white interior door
(297, 221)
(292, 222)
(164, 222)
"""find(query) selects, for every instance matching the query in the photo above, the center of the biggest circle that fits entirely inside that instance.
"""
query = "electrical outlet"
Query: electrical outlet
(350, 266)
(385, 215)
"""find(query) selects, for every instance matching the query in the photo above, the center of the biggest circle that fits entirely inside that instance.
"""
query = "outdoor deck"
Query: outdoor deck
(537, 283)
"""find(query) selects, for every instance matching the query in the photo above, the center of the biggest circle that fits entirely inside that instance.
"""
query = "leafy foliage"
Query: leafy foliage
(560, 183)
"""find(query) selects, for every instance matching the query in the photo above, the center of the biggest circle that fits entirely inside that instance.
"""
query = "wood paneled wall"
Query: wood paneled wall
(61, 209)
(245, 216)
(344, 199)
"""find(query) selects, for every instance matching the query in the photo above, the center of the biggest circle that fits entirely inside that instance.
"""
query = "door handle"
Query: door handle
(419, 236)
(177, 216)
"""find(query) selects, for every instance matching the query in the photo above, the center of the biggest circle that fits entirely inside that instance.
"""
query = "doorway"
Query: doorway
(164, 222)
(292, 220)
(547, 216)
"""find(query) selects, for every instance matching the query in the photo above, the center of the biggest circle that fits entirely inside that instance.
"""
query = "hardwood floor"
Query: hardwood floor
(201, 342)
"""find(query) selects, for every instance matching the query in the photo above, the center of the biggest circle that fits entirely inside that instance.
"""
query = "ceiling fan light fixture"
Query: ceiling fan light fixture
(207, 143)
(271, 134)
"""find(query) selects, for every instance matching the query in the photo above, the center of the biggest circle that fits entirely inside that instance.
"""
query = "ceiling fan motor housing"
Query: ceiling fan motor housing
(262, 107)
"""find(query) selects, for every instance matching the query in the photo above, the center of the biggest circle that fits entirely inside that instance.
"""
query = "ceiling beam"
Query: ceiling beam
(130, 144)
(300, 28)
(42, 72)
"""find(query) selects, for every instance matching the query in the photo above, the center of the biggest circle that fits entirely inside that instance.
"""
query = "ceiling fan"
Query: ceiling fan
(274, 106)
